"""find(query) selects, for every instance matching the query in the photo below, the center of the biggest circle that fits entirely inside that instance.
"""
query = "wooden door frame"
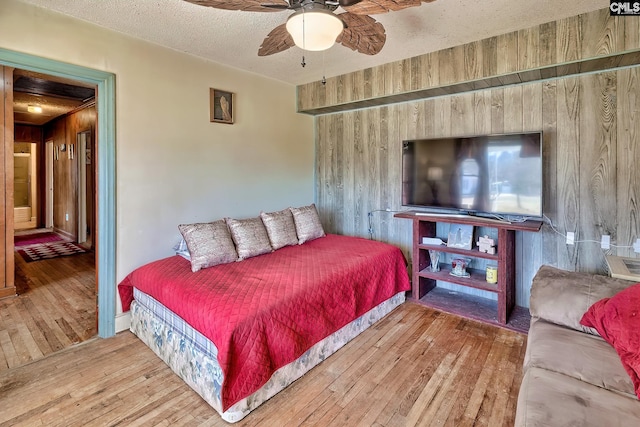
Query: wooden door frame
(7, 287)
(106, 172)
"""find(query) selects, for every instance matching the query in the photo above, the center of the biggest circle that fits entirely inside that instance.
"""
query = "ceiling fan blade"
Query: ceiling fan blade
(345, 3)
(373, 7)
(275, 6)
(362, 33)
(245, 5)
(276, 41)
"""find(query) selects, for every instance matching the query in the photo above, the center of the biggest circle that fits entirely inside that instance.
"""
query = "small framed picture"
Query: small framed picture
(460, 236)
(221, 106)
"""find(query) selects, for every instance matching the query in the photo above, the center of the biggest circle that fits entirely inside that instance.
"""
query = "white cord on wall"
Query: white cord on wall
(548, 221)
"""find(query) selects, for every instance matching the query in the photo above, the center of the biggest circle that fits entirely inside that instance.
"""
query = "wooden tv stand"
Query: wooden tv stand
(424, 280)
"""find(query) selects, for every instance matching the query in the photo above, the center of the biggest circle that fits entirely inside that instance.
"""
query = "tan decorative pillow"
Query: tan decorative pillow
(250, 237)
(280, 228)
(308, 225)
(209, 244)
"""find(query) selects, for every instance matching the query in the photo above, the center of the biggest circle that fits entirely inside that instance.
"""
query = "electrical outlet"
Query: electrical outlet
(571, 236)
(66, 217)
(605, 242)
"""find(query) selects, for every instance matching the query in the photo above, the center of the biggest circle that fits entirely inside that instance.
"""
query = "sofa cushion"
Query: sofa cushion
(616, 319)
(562, 297)
(586, 357)
(547, 399)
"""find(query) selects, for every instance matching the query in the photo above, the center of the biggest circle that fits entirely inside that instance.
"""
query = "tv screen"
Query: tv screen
(499, 175)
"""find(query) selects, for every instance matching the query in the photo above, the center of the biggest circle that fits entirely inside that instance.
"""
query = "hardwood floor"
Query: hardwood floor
(55, 308)
(416, 367)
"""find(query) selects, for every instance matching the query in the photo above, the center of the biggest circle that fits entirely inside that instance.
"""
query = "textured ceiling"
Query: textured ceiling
(233, 37)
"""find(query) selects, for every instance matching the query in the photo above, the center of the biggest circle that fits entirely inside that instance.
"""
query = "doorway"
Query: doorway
(105, 167)
(25, 178)
(50, 265)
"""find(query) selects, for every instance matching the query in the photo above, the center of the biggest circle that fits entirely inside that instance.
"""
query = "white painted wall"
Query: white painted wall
(173, 165)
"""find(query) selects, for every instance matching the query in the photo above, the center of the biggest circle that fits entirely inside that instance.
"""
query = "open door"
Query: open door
(7, 268)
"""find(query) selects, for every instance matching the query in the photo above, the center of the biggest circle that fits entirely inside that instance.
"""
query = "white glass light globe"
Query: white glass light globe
(315, 29)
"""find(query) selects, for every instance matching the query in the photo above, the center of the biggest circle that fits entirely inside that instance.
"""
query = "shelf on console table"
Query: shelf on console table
(475, 253)
(424, 280)
(476, 279)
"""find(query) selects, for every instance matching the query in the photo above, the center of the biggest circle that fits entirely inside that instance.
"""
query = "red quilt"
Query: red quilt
(265, 312)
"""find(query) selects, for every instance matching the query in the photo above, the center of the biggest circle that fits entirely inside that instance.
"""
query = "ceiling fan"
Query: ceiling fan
(315, 26)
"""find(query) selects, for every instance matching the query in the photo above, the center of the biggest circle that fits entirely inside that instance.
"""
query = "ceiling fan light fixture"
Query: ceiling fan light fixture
(34, 109)
(314, 28)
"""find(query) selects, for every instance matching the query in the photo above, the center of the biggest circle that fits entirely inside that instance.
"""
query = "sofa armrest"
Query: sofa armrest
(562, 297)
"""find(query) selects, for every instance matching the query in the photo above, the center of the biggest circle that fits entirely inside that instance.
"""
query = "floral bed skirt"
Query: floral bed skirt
(200, 369)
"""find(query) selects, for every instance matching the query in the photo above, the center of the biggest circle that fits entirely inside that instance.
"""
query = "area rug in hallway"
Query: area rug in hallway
(50, 250)
(23, 240)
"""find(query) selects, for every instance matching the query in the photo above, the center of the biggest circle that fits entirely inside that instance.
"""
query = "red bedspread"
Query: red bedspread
(265, 312)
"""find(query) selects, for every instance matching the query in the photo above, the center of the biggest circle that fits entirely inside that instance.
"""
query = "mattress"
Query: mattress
(193, 357)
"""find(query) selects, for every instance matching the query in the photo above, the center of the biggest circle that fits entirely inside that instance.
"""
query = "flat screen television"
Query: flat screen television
(490, 175)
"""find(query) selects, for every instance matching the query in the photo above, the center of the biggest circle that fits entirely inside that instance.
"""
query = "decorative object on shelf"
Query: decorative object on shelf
(434, 259)
(460, 236)
(459, 267)
(432, 241)
(221, 106)
(492, 273)
(486, 245)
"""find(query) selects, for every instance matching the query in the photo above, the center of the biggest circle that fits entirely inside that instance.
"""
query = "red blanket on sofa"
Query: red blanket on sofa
(265, 312)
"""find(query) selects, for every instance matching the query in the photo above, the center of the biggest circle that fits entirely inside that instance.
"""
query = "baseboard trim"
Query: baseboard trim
(123, 321)
(8, 292)
(64, 233)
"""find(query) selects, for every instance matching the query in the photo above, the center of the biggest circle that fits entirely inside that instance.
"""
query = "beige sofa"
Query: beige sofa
(572, 377)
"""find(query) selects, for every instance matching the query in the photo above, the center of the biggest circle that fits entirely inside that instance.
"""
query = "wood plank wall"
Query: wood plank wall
(27, 133)
(65, 170)
(590, 124)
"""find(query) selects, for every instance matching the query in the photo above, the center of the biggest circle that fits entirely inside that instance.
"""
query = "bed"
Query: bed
(238, 333)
